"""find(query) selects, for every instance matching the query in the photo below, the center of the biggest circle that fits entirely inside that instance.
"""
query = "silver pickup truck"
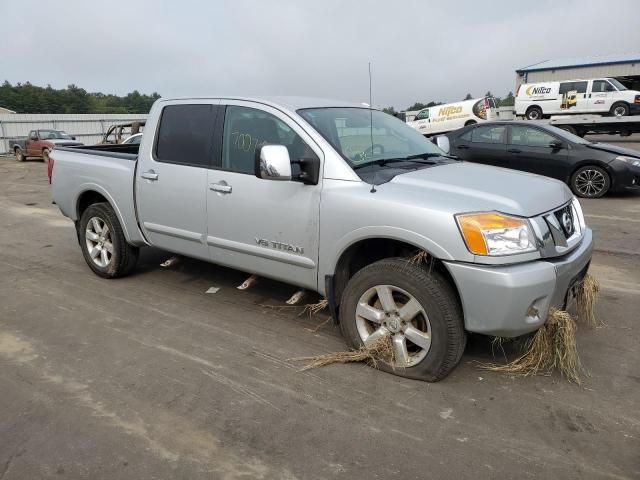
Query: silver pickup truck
(336, 198)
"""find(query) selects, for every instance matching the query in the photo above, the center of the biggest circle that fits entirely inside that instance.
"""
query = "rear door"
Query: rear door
(171, 178)
(601, 96)
(530, 151)
(266, 227)
(483, 144)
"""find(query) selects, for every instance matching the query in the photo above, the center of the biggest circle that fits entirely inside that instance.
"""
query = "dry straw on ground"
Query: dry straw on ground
(313, 308)
(586, 297)
(380, 350)
(553, 346)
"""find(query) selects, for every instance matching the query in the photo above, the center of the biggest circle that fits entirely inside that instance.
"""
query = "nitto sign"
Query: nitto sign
(537, 90)
(449, 111)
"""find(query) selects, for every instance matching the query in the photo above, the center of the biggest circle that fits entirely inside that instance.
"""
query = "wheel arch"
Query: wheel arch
(365, 251)
(92, 194)
(590, 162)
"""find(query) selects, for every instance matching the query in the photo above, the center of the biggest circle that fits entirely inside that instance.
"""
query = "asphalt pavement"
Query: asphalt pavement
(150, 377)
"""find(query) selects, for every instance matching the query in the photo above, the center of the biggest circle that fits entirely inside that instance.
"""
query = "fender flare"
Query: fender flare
(93, 187)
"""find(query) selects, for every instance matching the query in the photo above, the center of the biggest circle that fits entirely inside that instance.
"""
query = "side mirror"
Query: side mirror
(555, 144)
(272, 162)
(443, 142)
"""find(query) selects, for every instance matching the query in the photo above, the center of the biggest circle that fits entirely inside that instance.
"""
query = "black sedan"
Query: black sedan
(590, 169)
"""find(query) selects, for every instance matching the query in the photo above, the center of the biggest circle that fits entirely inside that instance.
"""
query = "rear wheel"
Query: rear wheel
(103, 243)
(470, 122)
(416, 308)
(568, 128)
(619, 109)
(20, 156)
(590, 182)
(534, 113)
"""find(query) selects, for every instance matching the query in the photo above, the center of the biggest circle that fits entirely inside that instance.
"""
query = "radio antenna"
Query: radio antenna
(373, 185)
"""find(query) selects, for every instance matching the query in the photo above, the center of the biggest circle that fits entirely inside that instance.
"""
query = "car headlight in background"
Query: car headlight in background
(629, 160)
(493, 233)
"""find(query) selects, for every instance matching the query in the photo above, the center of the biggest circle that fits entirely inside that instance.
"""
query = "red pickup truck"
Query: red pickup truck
(40, 142)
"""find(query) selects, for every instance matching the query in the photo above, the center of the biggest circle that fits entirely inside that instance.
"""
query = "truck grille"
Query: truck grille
(566, 221)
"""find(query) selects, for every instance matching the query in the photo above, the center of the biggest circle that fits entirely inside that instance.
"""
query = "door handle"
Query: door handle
(463, 147)
(514, 150)
(221, 188)
(149, 175)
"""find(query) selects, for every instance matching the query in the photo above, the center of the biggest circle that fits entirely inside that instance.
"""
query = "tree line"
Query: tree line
(507, 101)
(28, 98)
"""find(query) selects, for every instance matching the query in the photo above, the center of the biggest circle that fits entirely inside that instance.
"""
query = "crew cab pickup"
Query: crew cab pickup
(339, 199)
(39, 143)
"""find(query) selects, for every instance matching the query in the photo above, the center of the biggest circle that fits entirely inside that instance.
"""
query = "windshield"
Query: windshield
(54, 135)
(350, 132)
(567, 136)
(617, 84)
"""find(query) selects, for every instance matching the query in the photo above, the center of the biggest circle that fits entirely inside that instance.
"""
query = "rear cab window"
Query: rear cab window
(185, 135)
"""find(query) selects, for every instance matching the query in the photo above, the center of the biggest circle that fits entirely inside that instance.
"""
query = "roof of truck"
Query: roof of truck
(291, 103)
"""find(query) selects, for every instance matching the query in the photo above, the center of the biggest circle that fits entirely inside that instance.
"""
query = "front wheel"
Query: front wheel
(415, 307)
(590, 182)
(619, 109)
(103, 243)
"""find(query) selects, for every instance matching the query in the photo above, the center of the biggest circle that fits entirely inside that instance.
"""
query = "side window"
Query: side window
(247, 129)
(466, 136)
(185, 135)
(601, 86)
(529, 137)
(32, 134)
(580, 87)
(423, 115)
(566, 87)
(488, 134)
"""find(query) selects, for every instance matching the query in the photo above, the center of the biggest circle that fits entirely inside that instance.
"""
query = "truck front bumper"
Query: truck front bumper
(509, 301)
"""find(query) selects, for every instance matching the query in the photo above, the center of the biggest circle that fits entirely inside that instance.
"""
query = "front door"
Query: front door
(601, 96)
(531, 152)
(171, 179)
(264, 227)
(422, 122)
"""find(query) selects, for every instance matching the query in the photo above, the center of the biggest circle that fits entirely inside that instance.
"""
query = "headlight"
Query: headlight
(629, 160)
(493, 233)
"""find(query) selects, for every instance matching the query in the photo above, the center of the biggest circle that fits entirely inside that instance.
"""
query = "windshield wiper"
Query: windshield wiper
(411, 158)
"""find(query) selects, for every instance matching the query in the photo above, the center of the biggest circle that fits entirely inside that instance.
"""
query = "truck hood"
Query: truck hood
(63, 142)
(467, 187)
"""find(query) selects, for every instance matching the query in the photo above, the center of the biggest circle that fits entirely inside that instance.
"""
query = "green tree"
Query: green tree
(508, 101)
(467, 97)
(389, 110)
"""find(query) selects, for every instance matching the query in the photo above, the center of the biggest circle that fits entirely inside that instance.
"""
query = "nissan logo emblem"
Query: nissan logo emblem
(567, 223)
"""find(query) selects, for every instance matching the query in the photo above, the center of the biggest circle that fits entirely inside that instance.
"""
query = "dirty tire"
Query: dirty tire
(20, 156)
(590, 182)
(436, 297)
(619, 109)
(534, 113)
(45, 155)
(124, 256)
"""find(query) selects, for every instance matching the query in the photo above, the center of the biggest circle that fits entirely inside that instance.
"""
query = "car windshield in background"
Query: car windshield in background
(54, 135)
(617, 84)
(349, 130)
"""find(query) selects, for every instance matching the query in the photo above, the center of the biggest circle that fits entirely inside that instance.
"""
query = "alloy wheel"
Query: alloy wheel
(590, 182)
(388, 310)
(99, 242)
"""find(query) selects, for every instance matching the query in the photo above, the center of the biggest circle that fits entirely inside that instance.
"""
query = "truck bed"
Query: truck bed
(125, 152)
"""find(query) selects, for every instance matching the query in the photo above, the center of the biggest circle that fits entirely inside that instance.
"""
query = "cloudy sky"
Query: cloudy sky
(419, 50)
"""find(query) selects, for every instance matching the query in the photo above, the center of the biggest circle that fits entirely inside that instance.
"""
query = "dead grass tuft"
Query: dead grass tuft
(380, 350)
(419, 258)
(313, 308)
(586, 297)
(553, 346)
